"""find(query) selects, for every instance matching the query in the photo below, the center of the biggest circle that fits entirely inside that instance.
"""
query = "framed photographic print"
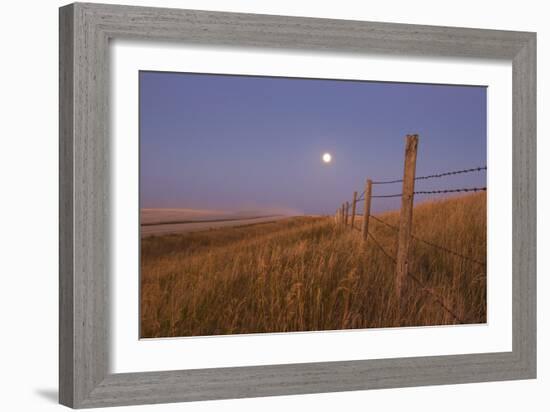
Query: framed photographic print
(257, 205)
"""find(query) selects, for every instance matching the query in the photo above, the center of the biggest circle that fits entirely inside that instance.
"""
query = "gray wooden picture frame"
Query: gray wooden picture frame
(85, 31)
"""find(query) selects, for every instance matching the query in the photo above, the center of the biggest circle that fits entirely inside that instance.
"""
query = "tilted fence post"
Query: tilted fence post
(353, 209)
(346, 213)
(366, 210)
(405, 219)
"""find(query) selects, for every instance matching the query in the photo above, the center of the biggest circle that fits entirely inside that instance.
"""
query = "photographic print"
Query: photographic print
(274, 204)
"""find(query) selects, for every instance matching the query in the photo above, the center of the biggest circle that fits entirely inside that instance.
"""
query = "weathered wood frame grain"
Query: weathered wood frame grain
(85, 31)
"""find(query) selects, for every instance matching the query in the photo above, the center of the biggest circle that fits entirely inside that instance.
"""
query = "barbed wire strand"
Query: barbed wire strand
(452, 252)
(386, 196)
(429, 192)
(437, 175)
(464, 189)
(438, 299)
(455, 172)
(381, 248)
(435, 245)
(384, 223)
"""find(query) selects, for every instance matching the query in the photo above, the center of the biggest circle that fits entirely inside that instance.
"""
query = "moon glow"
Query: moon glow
(327, 158)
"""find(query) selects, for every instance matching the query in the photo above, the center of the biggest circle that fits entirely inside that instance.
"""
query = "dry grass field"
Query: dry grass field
(306, 273)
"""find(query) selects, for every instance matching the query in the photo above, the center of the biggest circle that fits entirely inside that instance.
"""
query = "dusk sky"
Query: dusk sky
(247, 142)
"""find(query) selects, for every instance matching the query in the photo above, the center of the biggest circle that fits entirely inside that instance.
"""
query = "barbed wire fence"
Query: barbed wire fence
(404, 230)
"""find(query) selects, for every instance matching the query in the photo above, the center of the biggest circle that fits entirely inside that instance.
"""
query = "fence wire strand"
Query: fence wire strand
(464, 189)
(381, 248)
(437, 175)
(386, 196)
(384, 223)
(452, 252)
(438, 299)
(435, 245)
(430, 192)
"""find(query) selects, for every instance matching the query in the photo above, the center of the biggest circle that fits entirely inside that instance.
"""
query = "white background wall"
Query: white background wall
(28, 205)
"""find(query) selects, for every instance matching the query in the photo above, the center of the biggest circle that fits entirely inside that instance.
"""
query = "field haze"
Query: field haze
(167, 221)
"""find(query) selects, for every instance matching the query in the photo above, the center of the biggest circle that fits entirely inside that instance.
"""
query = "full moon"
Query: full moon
(327, 157)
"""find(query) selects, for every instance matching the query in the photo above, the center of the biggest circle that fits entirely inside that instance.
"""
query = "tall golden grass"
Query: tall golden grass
(306, 274)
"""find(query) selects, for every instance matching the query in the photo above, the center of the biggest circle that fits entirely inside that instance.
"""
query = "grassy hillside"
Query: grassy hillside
(305, 273)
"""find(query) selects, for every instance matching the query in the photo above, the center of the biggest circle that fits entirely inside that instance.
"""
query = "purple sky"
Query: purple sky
(246, 142)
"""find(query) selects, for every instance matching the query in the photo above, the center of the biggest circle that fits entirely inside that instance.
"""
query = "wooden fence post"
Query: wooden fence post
(346, 213)
(405, 219)
(366, 211)
(342, 214)
(353, 208)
